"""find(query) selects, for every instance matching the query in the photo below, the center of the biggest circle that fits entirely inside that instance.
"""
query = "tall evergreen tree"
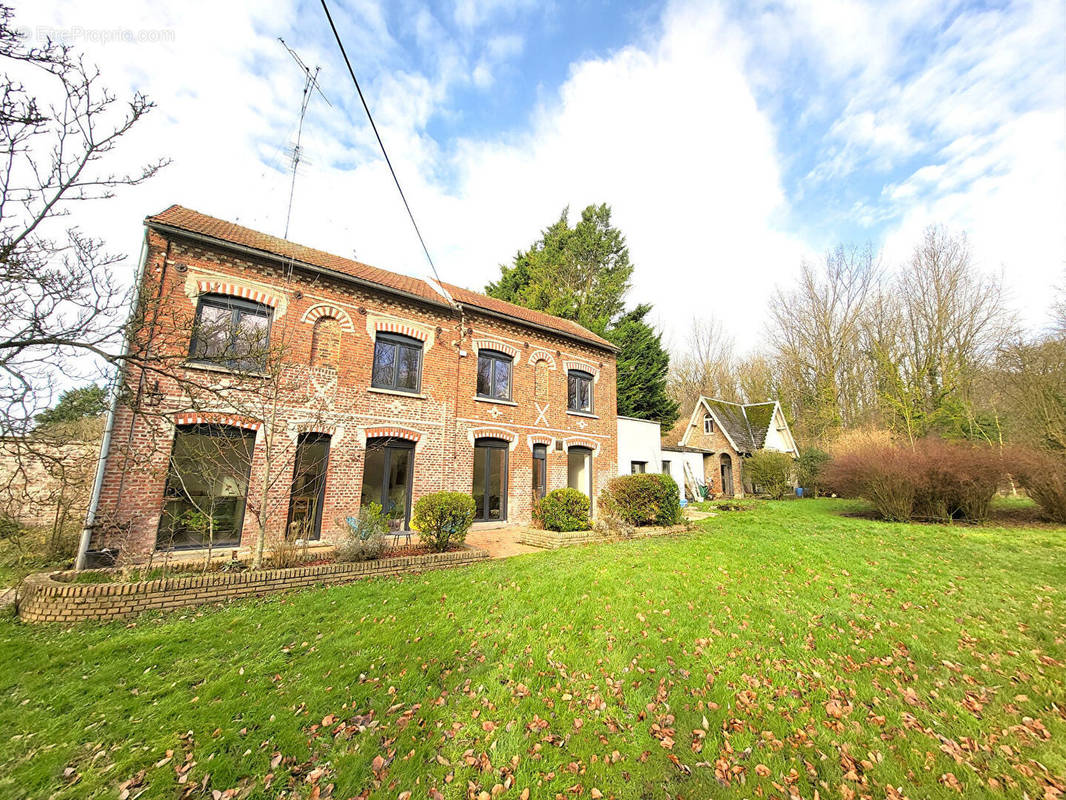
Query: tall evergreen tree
(580, 273)
(643, 364)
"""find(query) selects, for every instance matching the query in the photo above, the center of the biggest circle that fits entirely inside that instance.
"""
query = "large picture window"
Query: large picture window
(231, 332)
(493, 375)
(397, 363)
(207, 485)
(579, 391)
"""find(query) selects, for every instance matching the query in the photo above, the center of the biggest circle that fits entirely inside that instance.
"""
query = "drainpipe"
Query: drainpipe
(109, 426)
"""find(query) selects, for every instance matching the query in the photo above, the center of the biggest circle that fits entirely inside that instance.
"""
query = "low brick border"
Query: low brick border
(553, 540)
(44, 597)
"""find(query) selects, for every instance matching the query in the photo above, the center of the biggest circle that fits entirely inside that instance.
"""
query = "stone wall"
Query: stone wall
(52, 597)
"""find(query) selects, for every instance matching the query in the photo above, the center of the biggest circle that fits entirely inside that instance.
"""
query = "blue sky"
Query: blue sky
(733, 140)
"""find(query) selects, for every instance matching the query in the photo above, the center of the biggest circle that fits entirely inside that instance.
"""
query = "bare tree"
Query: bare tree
(61, 298)
(953, 322)
(815, 334)
(705, 367)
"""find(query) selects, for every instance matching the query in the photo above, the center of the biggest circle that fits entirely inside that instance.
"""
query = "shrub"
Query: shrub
(771, 472)
(563, 510)
(610, 525)
(810, 467)
(643, 499)
(934, 480)
(443, 518)
(363, 535)
(356, 549)
(1043, 474)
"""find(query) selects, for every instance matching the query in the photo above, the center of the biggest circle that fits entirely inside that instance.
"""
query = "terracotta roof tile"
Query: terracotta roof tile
(193, 221)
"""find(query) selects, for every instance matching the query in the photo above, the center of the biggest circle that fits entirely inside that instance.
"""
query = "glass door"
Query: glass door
(308, 486)
(490, 480)
(387, 474)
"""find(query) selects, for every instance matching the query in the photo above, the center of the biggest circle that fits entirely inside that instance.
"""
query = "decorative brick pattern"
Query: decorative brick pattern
(395, 433)
(493, 344)
(217, 419)
(492, 433)
(237, 290)
(583, 367)
(326, 343)
(317, 312)
(540, 438)
(579, 442)
(389, 326)
(542, 355)
(45, 597)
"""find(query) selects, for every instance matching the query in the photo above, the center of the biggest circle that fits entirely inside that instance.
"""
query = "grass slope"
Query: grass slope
(784, 650)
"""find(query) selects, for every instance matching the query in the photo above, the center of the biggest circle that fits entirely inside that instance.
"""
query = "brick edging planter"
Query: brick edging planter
(44, 598)
(553, 540)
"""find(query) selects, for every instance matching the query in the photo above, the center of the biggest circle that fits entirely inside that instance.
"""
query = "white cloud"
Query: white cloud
(675, 132)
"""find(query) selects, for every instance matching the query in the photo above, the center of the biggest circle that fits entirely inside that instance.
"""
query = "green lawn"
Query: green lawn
(785, 649)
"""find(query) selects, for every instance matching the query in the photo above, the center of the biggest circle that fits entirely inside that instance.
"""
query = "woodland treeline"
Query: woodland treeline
(930, 347)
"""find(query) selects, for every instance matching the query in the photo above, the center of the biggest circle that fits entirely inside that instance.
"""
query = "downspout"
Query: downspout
(109, 426)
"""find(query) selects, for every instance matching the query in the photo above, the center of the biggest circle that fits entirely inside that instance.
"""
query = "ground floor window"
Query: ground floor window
(540, 471)
(579, 469)
(387, 474)
(638, 467)
(666, 467)
(490, 480)
(308, 486)
(207, 486)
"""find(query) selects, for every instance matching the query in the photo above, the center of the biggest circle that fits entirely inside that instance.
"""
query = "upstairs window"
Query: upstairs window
(579, 391)
(493, 375)
(397, 363)
(708, 424)
(231, 332)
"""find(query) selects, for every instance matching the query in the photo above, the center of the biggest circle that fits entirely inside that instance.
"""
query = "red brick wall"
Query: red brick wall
(717, 442)
(443, 417)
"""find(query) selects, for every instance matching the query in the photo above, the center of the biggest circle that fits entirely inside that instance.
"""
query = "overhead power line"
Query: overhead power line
(381, 144)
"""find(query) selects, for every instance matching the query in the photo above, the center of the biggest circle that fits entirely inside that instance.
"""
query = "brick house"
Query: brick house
(384, 388)
(725, 433)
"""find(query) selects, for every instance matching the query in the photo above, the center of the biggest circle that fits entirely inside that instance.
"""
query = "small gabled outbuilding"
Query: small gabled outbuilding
(727, 432)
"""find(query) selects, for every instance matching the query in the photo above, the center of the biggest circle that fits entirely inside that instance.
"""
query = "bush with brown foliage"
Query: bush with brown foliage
(1043, 474)
(935, 480)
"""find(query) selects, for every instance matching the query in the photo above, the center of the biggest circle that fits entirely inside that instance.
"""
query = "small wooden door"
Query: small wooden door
(727, 476)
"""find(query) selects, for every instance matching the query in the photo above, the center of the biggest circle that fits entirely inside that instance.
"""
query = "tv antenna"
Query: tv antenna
(310, 87)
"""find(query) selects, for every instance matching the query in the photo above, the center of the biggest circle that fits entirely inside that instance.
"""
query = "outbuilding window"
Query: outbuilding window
(708, 424)
(397, 363)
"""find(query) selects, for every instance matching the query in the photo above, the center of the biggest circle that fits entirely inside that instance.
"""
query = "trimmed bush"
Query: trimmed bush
(1043, 474)
(935, 480)
(770, 472)
(642, 499)
(443, 518)
(563, 510)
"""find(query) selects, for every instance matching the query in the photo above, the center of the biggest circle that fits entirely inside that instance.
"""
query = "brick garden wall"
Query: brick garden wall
(45, 597)
(334, 396)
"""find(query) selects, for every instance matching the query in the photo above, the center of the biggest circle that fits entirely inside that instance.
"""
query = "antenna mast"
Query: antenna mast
(310, 86)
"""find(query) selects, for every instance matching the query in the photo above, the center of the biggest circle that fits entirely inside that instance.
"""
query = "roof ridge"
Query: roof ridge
(233, 233)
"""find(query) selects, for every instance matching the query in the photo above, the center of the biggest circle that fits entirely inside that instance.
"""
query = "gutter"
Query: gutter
(109, 426)
(449, 304)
